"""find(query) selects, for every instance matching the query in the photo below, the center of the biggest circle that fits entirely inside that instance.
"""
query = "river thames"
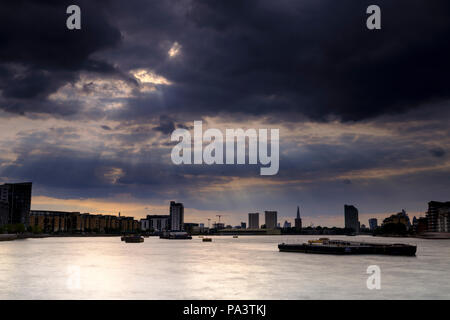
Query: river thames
(249, 267)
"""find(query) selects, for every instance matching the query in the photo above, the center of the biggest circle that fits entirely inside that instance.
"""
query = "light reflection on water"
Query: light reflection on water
(249, 267)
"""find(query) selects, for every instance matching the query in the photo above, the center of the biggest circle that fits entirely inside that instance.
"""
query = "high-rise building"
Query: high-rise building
(15, 203)
(351, 218)
(298, 220)
(286, 225)
(271, 219)
(438, 216)
(253, 220)
(373, 223)
(176, 216)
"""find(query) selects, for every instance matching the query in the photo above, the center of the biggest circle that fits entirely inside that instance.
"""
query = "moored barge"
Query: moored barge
(133, 239)
(341, 247)
(177, 235)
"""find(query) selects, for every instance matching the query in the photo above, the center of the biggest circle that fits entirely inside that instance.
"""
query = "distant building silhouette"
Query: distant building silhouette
(270, 219)
(298, 220)
(286, 225)
(243, 225)
(176, 216)
(438, 216)
(75, 222)
(422, 225)
(218, 225)
(401, 217)
(373, 224)
(253, 220)
(15, 203)
(351, 218)
(191, 227)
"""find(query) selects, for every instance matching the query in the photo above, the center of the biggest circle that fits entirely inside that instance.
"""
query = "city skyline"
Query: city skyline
(87, 114)
(15, 214)
(336, 221)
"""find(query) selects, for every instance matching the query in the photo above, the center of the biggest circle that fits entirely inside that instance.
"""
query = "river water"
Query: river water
(249, 267)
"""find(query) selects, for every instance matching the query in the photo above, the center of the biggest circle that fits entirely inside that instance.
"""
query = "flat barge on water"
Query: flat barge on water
(178, 235)
(341, 247)
(133, 239)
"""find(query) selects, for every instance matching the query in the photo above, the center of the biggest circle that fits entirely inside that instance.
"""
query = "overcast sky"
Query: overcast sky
(86, 115)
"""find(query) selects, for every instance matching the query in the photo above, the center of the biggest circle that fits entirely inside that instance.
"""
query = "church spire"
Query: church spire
(298, 212)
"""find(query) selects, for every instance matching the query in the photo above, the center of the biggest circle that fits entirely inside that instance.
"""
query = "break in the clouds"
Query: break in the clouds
(363, 115)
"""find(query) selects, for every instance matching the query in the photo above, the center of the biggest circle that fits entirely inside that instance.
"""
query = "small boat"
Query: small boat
(235, 236)
(207, 239)
(341, 247)
(134, 239)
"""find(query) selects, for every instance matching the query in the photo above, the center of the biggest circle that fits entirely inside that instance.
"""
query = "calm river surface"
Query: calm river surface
(249, 267)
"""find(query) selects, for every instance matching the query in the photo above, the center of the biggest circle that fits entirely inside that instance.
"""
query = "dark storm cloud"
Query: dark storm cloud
(39, 54)
(43, 157)
(291, 57)
(283, 58)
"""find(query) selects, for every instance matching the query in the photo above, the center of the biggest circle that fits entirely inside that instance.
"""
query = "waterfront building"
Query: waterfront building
(191, 228)
(286, 225)
(75, 222)
(176, 216)
(351, 218)
(4, 213)
(270, 219)
(144, 224)
(49, 221)
(438, 216)
(219, 225)
(373, 223)
(401, 217)
(253, 220)
(243, 225)
(422, 225)
(298, 220)
(158, 222)
(127, 224)
(15, 203)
